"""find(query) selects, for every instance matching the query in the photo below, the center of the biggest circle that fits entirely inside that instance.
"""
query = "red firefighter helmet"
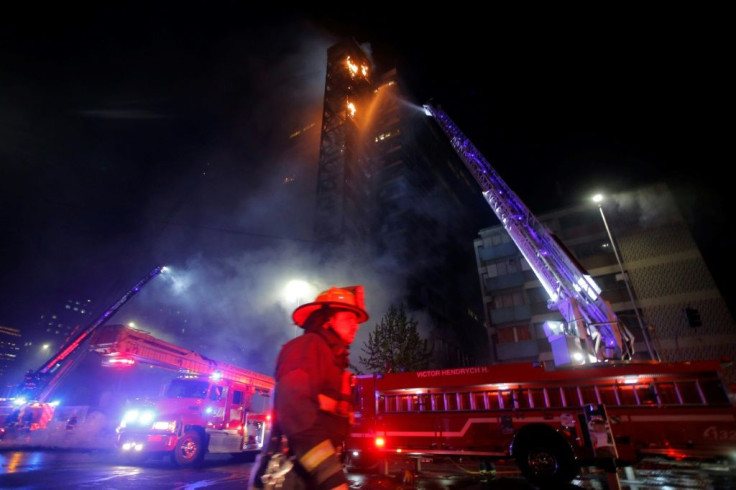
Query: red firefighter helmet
(350, 298)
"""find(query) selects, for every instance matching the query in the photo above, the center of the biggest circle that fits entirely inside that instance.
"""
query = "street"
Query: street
(30, 468)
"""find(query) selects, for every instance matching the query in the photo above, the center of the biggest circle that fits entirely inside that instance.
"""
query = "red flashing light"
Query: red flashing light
(119, 362)
(380, 442)
(675, 454)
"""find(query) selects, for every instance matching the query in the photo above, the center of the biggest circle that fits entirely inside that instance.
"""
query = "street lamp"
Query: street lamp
(598, 199)
(296, 290)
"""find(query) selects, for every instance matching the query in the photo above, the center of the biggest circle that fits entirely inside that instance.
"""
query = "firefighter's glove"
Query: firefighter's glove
(333, 406)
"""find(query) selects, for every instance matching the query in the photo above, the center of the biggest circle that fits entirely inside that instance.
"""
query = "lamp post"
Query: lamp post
(598, 199)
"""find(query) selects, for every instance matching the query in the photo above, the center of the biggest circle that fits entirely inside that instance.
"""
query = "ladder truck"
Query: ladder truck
(605, 410)
(210, 407)
(591, 332)
(31, 408)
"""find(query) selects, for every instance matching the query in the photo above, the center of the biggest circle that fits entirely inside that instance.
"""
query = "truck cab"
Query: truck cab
(196, 415)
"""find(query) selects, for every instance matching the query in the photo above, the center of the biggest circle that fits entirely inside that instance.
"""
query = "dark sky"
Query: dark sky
(137, 134)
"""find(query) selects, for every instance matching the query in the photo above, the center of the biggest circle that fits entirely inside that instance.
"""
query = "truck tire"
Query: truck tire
(546, 460)
(189, 449)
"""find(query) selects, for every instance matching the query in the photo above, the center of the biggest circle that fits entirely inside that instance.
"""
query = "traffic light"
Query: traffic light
(693, 317)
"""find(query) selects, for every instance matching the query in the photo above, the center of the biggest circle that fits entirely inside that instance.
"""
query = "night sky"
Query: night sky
(137, 134)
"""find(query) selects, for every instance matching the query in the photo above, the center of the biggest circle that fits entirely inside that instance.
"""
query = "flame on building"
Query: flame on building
(351, 109)
(354, 69)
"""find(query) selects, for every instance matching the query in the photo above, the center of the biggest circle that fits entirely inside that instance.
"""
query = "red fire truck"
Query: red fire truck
(551, 422)
(597, 406)
(210, 407)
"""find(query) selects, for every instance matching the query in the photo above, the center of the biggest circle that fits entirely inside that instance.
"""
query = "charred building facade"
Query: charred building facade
(392, 192)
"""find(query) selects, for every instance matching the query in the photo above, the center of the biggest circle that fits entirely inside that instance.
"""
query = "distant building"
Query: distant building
(51, 331)
(10, 347)
(60, 323)
(391, 192)
(678, 302)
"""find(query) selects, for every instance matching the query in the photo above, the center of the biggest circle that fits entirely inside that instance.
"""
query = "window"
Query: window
(537, 398)
(537, 295)
(505, 335)
(506, 399)
(554, 395)
(438, 401)
(218, 393)
(498, 239)
(627, 395)
(508, 265)
(646, 394)
(589, 395)
(424, 402)
(571, 396)
(506, 300)
(451, 401)
(494, 400)
(516, 333)
(523, 333)
(479, 400)
(713, 391)
(187, 388)
(463, 401)
(667, 393)
(522, 398)
(689, 392)
(608, 395)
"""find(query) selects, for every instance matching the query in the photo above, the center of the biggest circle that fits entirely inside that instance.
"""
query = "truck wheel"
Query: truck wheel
(189, 450)
(547, 462)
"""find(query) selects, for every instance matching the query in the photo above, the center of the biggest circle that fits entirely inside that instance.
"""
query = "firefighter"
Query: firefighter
(71, 422)
(312, 401)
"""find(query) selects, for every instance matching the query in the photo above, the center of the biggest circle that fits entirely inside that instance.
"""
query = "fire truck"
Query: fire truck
(30, 407)
(210, 407)
(550, 422)
(596, 407)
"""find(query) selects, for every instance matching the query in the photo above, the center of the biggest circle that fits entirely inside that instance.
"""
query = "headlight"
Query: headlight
(146, 417)
(138, 417)
(167, 425)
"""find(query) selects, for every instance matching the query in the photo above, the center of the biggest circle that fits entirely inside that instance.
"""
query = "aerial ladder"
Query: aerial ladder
(590, 323)
(32, 408)
(121, 345)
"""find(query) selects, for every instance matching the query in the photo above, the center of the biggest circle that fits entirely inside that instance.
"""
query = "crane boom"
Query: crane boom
(120, 343)
(571, 290)
(39, 384)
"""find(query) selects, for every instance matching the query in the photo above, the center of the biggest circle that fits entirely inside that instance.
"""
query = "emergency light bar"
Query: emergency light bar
(117, 362)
